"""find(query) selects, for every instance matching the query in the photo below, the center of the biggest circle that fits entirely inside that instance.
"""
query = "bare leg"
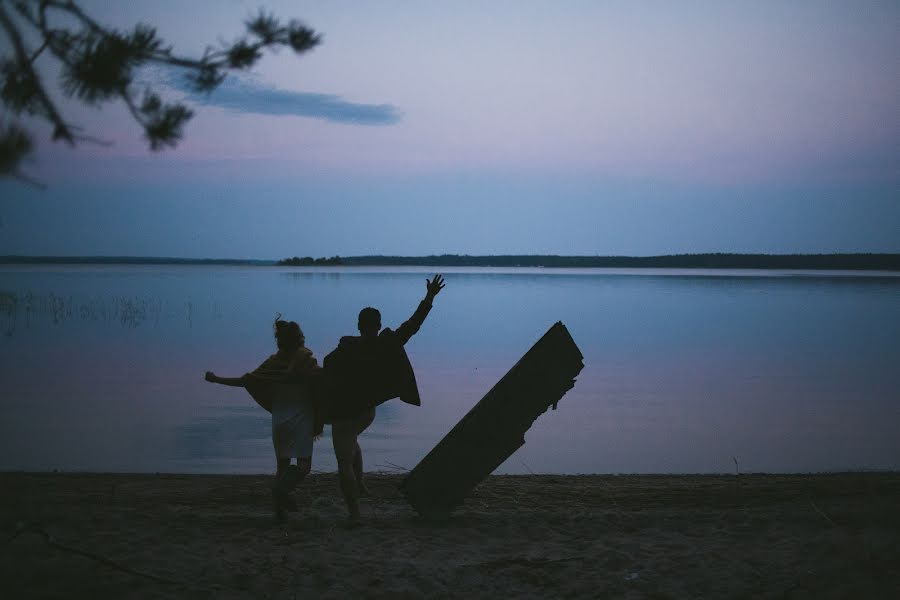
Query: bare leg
(304, 465)
(349, 455)
(290, 476)
(280, 500)
(358, 471)
(344, 440)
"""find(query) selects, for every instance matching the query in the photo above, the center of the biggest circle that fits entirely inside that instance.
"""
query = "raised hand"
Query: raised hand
(433, 286)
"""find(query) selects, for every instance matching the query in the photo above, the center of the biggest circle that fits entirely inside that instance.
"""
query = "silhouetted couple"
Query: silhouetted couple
(361, 373)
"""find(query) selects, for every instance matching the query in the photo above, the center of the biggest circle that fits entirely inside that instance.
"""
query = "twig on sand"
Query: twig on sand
(36, 528)
(824, 516)
(393, 466)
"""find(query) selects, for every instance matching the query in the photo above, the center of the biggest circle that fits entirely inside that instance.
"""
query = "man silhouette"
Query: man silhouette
(363, 372)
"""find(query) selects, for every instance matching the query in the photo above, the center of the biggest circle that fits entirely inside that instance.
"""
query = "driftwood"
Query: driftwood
(496, 426)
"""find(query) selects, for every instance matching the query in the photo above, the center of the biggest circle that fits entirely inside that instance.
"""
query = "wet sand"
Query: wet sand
(541, 536)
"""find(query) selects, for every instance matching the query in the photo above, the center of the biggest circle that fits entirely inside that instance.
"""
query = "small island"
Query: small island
(309, 261)
(862, 262)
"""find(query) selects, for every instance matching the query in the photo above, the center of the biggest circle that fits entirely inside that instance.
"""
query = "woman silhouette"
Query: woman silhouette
(281, 385)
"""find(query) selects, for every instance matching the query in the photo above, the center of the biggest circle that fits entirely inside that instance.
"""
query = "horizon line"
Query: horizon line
(108, 257)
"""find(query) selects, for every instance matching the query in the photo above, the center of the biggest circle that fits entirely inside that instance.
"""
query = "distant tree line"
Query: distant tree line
(130, 260)
(309, 261)
(850, 262)
(888, 262)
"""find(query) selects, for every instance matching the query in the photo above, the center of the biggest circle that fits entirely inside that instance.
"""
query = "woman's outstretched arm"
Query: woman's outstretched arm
(232, 381)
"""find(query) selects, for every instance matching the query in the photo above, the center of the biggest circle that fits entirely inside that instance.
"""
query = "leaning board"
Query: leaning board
(496, 426)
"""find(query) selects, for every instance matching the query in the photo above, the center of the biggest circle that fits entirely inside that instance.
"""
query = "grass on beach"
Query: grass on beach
(180, 536)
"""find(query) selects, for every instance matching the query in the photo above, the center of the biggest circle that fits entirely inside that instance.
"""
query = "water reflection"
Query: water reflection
(24, 310)
(229, 435)
(8, 312)
(222, 433)
(312, 275)
(102, 367)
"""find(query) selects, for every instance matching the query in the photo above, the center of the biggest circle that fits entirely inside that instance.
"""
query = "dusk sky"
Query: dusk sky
(495, 128)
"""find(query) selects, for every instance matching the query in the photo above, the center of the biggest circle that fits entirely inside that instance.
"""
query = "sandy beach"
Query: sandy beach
(541, 536)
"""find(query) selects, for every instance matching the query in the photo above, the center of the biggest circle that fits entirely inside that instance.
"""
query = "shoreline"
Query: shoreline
(831, 535)
(834, 261)
(401, 474)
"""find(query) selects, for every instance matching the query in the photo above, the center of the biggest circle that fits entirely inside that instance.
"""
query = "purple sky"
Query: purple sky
(501, 127)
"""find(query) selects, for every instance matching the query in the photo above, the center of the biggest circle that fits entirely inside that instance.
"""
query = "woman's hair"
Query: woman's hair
(287, 334)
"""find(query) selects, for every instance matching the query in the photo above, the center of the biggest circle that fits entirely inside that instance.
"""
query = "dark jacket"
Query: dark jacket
(362, 373)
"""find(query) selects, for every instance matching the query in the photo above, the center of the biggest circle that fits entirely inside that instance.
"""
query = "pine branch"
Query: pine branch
(60, 127)
(99, 64)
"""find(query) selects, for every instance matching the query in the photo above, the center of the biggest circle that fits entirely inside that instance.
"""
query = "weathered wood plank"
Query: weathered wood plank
(496, 426)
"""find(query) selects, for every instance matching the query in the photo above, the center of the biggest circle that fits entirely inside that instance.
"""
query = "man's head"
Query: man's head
(369, 321)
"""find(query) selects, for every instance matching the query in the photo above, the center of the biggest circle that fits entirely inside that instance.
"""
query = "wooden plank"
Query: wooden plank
(495, 427)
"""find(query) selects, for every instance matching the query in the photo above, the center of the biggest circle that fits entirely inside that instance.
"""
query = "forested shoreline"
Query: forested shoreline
(859, 261)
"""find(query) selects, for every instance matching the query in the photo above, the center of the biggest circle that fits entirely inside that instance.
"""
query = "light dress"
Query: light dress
(293, 419)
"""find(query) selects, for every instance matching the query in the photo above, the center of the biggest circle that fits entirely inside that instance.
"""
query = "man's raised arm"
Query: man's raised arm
(411, 326)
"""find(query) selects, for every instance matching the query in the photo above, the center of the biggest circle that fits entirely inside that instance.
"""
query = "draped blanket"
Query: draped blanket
(299, 367)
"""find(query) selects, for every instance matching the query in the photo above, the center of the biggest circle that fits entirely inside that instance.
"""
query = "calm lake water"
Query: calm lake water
(101, 367)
